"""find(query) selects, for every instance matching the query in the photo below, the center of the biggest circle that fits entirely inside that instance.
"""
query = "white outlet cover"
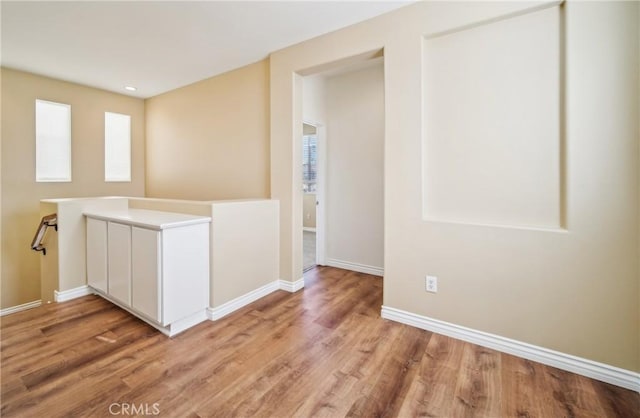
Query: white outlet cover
(431, 283)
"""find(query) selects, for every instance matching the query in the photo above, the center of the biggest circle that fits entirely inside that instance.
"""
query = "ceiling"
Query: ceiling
(157, 46)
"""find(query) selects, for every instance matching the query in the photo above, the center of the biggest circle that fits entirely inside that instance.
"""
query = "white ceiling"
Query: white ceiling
(158, 46)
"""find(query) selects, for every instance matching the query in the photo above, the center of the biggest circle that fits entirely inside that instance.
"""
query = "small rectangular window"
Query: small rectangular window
(309, 162)
(53, 142)
(117, 147)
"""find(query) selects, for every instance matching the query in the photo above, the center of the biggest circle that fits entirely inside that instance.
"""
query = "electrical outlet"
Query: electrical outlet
(431, 284)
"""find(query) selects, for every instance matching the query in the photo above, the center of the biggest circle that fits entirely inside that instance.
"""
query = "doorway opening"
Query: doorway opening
(343, 131)
(310, 190)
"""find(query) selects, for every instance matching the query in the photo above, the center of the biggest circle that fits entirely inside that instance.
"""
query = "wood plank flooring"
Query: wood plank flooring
(323, 351)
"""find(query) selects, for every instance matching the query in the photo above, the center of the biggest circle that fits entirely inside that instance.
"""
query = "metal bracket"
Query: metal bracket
(45, 222)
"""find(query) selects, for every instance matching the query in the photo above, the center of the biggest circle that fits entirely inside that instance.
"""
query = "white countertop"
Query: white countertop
(151, 219)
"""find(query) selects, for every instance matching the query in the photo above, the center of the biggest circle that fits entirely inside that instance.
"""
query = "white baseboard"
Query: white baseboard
(22, 307)
(308, 229)
(233, 305)
(291, 286)
(360, 268)
(74, 293)
(180, 325)
(599, 371)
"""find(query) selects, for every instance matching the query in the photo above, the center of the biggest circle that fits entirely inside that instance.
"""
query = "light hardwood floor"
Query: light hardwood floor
(323, 351)
(308, 250)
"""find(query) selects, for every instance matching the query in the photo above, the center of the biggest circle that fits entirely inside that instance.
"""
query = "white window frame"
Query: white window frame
(306, 160)
(42, 148)
(123, 160)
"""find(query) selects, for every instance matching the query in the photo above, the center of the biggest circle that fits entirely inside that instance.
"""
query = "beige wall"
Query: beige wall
(494, 159)
(309, 210)
(313, 99)
(244, 239)
(574, 291)
(210, 140)
(21, 194)
(354, 174)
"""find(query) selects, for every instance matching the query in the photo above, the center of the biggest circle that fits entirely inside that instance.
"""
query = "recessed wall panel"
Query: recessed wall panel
(492, 145)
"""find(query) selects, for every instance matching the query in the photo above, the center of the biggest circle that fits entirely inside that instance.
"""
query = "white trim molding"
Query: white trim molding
(22, 307)
(360, 268)
(592, 369)
(291, 286)
(233, 305)
(77, 292)
(308, 229)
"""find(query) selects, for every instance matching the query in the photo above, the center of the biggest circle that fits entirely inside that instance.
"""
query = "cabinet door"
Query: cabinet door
(119, 262)
(97, 254)
(185, 271)
(145, 272)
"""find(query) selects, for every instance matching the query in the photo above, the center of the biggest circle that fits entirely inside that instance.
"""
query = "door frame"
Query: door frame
(321, 192)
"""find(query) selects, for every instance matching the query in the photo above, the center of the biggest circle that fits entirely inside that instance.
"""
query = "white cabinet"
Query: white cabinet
(185, 255)
(154, 264)
(145, 270)
(97, 254)
(119, 262)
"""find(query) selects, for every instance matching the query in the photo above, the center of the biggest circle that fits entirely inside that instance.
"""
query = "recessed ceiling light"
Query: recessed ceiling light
(130, 88)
